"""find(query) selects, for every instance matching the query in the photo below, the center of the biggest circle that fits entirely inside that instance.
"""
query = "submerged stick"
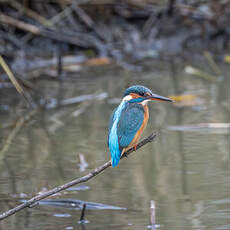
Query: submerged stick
(31, 202)
(152, 214)
(82, 218)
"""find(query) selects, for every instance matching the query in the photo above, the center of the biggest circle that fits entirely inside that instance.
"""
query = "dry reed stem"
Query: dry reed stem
(16, 84)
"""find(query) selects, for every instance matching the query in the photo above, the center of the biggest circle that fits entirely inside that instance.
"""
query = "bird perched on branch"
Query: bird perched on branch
(129, 120)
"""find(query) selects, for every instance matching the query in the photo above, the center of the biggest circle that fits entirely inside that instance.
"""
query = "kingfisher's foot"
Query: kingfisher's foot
(135, 147)
(125, 154)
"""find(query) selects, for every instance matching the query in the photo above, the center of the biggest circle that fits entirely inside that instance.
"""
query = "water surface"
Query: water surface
(185, 173)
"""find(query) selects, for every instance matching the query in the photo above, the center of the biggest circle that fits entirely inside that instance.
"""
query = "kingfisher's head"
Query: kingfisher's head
(141, 94)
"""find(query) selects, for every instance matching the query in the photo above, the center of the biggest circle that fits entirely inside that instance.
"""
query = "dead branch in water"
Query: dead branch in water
(33, 201)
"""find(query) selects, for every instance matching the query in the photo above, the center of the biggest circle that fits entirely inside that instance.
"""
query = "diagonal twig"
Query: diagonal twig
(11, 77)
(32, 14)
(33, 201)
(15, 82)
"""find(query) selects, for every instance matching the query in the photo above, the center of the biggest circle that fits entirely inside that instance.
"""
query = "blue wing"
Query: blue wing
(129, 123)
(113, 143)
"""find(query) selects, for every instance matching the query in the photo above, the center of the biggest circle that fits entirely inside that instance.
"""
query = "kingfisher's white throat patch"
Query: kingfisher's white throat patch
(145, 102)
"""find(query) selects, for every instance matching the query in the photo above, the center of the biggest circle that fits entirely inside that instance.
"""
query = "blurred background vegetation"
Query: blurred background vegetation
(47, 39)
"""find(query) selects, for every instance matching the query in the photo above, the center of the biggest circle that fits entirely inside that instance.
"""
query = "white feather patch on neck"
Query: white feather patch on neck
(127, 98)
(145, 102)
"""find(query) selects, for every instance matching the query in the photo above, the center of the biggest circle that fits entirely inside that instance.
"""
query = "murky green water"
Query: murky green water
(186, 173)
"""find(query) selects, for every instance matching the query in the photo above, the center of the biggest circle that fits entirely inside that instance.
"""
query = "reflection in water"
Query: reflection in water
(185, 173)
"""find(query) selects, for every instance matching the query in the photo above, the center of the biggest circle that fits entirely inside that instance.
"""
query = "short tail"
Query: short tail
(116, 156)
(115, 161)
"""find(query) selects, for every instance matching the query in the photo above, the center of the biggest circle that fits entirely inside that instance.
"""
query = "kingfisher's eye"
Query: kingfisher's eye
(142, 94)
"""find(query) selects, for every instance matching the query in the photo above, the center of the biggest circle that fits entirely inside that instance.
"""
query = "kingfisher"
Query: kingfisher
(129, 120)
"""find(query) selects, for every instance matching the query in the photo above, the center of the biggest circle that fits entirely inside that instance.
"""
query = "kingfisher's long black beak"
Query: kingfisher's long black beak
(156, 97)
